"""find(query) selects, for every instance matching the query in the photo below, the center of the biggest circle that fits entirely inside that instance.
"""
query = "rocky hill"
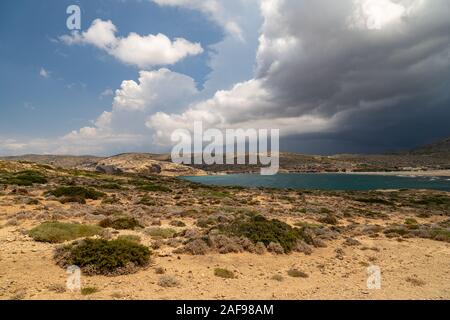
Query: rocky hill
(440, 147)
(62, 161)
(145, 164)
(142, 163)
(431, 157)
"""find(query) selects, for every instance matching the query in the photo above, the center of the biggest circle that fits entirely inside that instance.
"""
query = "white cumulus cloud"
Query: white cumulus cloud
(141, 51)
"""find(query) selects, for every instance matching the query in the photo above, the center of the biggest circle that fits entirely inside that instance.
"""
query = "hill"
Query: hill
(440, 147)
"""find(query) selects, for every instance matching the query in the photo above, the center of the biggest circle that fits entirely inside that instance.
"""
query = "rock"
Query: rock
(351, 242)
(108, 169)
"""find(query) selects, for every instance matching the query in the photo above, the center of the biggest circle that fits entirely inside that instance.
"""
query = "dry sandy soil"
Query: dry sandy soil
(28, 271)
(412, 267)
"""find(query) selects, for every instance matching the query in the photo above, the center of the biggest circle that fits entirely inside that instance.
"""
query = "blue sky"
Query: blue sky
(333, 77)
(70, 97)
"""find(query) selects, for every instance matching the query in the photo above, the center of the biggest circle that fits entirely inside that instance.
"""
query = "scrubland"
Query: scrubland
(153, 237)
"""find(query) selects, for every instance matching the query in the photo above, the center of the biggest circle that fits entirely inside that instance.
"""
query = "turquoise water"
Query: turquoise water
(326, 181)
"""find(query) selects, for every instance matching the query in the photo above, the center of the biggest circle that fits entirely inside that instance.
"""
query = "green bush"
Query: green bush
(23, 178)
(98, 256)
(410, 221)
(120, 223)
(73, 191)
(130, 237)
(160, 233)
(439, 201)
(57, 232)
(111, 186)
(260, 229)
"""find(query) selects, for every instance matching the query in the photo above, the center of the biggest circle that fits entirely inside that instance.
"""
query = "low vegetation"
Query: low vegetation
(88, 291)
(120, 223)
(435, 201)
(130, 237)
(167, 281)
(75, 192)
(259, 229)
(160, 233)
(297, 273)
(224, 273)
(434, 232)
(98, 256)
(154, 188)
(22, 178)
(57, 232)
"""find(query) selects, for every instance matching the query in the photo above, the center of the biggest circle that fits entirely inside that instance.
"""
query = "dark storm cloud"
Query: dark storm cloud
(362, 74)
(381, 82)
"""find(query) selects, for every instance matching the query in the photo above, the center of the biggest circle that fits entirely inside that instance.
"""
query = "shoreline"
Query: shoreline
(429, 173)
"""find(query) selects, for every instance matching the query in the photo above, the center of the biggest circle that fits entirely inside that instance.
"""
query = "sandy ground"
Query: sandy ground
(27, 271)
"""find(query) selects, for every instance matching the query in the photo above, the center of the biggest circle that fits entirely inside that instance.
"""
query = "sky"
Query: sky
(349, 76)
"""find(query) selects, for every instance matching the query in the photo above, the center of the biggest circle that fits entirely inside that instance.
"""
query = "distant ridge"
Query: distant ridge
(440, 147)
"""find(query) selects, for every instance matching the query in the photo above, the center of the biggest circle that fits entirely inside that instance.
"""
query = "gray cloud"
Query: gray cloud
(367, 69)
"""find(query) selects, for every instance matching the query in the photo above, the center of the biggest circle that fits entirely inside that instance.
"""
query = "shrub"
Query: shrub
(168, 281)
(23, 178)
(56, 287)
(73, 191)
(351, 242)
(32, 202)
(329, 219)
(260, 248)
(435, 200)
(225, 244)
(147, 201)
(205, 222)
(120, 223)
(410, 221)
(72, 199)
(160, 270)
(57, 232)
(130, 237)
(154, 188)
(224, 273)
(113, 199)
(88, 290)
(275, 248)
(196, 247)
(374, 200)
(98, 256)
(111, 186)
(440, 234)
(423, 215)
(302, 246)
(415, 281)
(259, 229)
(278, 278)
(160, 233)
(297, 273)
(177, 223)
